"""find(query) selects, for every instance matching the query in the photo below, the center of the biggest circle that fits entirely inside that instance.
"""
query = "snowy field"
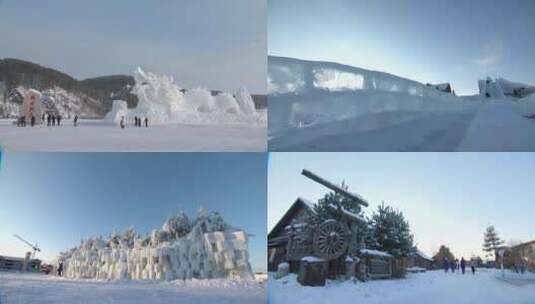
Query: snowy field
(101, 136)
(435, 287)
(16, 288)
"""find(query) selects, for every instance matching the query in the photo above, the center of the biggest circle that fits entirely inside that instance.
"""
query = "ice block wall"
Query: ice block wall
(207, 249)
(307, 93)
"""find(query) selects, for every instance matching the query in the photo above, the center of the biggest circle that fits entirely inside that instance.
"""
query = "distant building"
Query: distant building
(443, 87)
(31, 106)
(20, 264)
(420, 260)
(521, 256)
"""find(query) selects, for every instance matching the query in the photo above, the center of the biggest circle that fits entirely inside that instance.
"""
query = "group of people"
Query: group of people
(459, 265)
(51, 120)
(21, 121)
(137, 122)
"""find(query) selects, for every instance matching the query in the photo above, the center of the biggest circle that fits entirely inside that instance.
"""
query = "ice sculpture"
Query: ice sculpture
(205, 248)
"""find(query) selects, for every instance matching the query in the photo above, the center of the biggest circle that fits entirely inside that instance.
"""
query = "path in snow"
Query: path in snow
(434, 132)
(500, 125)
(100, 136)
(434, 287)
(497, 125)
(18, 288)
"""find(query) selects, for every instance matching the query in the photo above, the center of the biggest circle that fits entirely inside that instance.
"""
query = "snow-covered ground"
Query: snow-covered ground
(17, 288)
(322, 106)
(100, 135)
(435, 287)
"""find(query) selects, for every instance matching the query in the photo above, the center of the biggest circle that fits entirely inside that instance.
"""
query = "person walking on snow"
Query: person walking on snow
(32, 121)
(146, 122)
(48, 120)
(75, 120)
(452, 266)
(446, 265)
(59, 119)
(122, 122)
(473, 266)
(463, 265)
(60, 269)
(53, 120)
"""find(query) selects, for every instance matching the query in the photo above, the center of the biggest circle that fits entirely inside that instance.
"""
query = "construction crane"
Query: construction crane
(34, 247)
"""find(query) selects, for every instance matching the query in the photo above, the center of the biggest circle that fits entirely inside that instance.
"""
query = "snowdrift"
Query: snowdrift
(162, 101)
(305, 93)
(208, 248)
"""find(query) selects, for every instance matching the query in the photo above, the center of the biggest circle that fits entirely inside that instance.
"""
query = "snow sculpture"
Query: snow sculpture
(119, 109)
(162, 101)
(208, 248)
(499, 88)
(490, 89)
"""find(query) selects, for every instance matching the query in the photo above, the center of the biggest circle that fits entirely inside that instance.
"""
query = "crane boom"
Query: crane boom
(34, 247)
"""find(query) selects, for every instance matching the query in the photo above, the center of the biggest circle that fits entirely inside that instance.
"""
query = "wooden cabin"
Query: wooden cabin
(277, 237)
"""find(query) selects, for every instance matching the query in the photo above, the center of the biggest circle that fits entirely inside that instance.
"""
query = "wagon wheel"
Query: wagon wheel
(331, 240)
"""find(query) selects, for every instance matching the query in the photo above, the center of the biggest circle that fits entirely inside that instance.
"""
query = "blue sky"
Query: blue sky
(56, 199)
(454, 41)
(215, 44)
(448, 198)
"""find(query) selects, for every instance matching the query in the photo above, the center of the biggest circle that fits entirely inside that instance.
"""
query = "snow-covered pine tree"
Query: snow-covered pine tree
(491, 242)
(391, 231)
(325, 212)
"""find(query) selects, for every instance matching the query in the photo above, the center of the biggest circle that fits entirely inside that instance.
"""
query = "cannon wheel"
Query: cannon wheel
(331, 239)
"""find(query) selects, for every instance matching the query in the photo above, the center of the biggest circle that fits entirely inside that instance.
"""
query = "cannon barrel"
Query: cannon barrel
(334, 187)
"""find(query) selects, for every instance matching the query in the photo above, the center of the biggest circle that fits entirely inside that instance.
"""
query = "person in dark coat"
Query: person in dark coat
(60, 269)
(75, 120)
(32, 121)
(53, 120)
(48, 120)
(122, 122)
(453, 266)
(59, 119)
(146, 122)
(446, 265)
(463, 265)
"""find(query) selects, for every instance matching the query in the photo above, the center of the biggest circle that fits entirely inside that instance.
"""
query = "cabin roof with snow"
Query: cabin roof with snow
(526, 244)
(299, 206)
(422, 255)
